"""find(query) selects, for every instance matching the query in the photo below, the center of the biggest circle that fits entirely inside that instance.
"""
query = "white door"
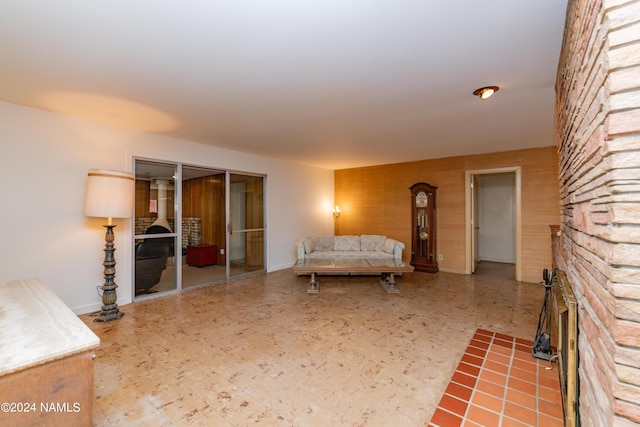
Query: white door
(473, 236)
(495, 226)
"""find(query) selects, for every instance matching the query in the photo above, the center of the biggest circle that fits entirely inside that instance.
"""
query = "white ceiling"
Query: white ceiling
(331, 83)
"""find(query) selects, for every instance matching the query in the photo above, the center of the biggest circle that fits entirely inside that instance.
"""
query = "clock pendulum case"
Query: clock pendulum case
(423, 228)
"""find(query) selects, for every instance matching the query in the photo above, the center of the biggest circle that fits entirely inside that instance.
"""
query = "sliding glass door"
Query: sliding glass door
(195, 226)
(246, 225)
(156, 252)
(203, 230)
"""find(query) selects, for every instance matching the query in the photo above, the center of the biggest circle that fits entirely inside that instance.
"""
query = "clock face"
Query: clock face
(421, 200)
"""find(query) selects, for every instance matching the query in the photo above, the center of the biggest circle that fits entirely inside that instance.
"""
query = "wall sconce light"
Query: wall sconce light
(336, 212)
(109, 194)
(485, 92)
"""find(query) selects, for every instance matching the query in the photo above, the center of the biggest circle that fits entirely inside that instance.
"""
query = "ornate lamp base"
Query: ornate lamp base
(109, 296)
(103, 317)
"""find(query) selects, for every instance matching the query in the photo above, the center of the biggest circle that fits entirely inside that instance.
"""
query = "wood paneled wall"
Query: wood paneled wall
(376, 200)
(254, 248)
(205, 198)
(144, 194)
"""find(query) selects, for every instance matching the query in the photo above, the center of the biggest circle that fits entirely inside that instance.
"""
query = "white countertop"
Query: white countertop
(37, 327)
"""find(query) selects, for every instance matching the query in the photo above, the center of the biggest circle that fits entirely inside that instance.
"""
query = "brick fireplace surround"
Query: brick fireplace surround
(598, 118)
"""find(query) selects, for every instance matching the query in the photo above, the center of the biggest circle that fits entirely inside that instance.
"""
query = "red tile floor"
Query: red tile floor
(499, 383)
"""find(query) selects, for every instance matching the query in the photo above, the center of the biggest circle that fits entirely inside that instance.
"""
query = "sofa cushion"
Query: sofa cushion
(371, 242)
(389, 246)
(308, 246)
(332, 255)
(346, 243)
(323, 244)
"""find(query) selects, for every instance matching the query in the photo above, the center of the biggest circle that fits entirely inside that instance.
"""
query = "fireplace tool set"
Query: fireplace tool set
(542, 342)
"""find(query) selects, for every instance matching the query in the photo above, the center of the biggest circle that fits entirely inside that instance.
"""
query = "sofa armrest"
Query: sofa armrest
(397, 251)
(300, 248)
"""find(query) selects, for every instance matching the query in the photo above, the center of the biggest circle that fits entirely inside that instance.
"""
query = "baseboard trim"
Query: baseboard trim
(89, 308)
(280, 267)
(451, 270)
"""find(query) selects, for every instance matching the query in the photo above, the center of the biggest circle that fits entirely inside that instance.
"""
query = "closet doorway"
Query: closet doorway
(493, 219)
(213, 226)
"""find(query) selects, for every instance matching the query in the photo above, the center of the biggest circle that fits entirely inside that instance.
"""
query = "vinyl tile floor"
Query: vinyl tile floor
(261, 351)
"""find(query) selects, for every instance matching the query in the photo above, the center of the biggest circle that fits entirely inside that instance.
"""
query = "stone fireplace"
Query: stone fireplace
(598, 246)
(191, 229)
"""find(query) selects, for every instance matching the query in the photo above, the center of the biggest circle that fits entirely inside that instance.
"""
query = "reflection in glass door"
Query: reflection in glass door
(246, 225)
(155, 250)
(203, 230)
(195, 226)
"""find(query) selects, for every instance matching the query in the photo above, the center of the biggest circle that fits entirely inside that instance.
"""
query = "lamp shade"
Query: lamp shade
(109, 194)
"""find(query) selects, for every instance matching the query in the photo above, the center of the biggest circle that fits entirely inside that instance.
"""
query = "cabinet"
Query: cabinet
(423, 227)
(46, 359)
(201, 255)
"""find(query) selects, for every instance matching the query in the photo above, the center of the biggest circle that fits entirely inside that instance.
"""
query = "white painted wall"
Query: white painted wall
(43, 166)
(496, 217)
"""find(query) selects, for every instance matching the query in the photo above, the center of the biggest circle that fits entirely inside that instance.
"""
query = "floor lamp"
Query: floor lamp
(109, 194)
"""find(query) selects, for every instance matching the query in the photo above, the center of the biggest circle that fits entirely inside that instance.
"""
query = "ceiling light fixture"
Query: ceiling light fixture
(486, 92)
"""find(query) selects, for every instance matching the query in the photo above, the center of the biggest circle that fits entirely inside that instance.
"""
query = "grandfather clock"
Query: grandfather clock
(423, 227)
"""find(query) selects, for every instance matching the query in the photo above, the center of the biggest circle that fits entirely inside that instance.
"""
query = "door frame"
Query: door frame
(469, 216)
(178, 179)
(230, 228)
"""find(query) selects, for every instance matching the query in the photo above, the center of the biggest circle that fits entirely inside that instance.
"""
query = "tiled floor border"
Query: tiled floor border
(499, 383)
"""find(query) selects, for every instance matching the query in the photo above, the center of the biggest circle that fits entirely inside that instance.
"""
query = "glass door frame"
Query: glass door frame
(230, 229)
(177, 234)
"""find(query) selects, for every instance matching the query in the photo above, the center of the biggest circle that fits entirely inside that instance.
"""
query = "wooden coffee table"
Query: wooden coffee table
(386, 267)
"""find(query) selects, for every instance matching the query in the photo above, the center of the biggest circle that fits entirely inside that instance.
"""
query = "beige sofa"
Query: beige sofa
(363, 246)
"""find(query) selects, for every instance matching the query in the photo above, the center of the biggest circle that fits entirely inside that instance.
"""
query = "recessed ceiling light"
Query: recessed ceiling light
(486, 92)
